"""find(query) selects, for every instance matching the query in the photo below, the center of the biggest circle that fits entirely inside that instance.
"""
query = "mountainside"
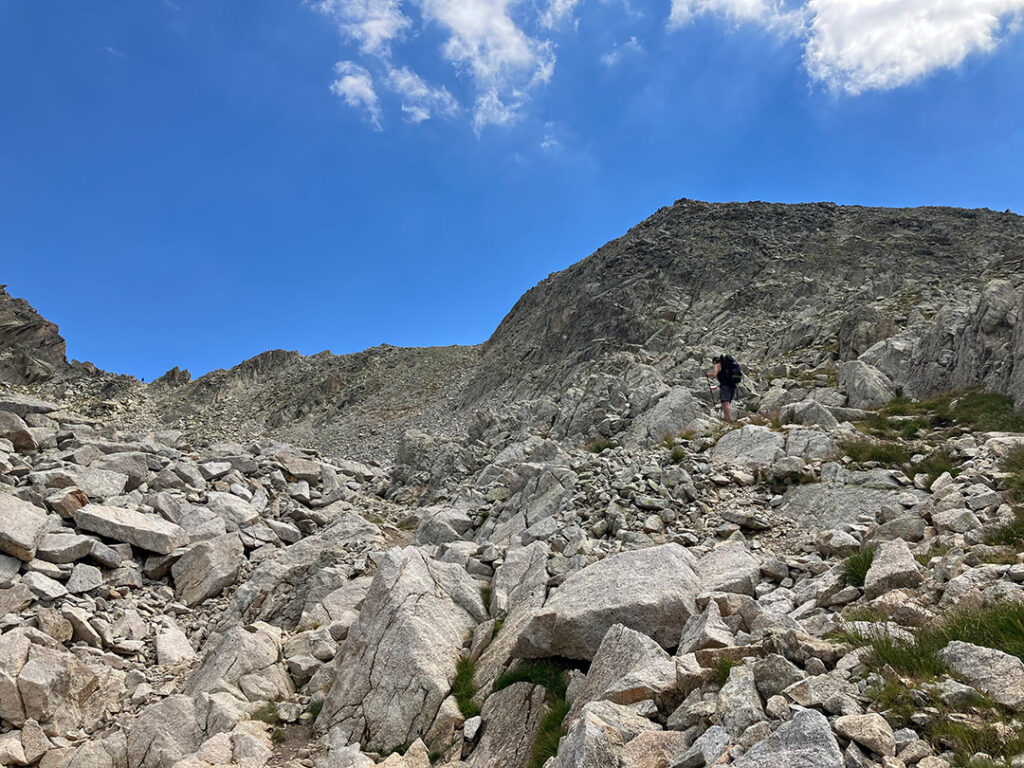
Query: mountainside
(548, 551)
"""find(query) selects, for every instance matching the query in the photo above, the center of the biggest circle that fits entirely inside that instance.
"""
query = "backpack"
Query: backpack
(731, 373)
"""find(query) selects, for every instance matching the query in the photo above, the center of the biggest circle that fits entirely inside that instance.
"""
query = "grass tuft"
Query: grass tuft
(678, 454)
(266, 713)
(464, 689)
(315, 709)
(549, 673)
(887, 454)
(1011, 534)
(973, 409)
(722, 669)
(856, 567)
(599, 445)
(1014, 464)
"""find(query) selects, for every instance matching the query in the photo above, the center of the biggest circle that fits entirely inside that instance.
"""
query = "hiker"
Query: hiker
(729, 375)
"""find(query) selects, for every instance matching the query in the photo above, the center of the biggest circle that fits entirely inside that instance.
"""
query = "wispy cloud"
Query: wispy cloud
(631, 47)
(115, 52)
(503, 51)
(354, 84)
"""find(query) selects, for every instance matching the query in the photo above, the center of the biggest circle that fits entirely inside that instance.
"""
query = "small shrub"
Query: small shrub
(887, 454)
(856, 567)
(678, 454)
(278, 736)
(547, 672)
(266, 713)
(1014, 464)
(599, 444)
(315, 708)
(722, 669)
(464, 689)
(934, 465)
(1011, 534)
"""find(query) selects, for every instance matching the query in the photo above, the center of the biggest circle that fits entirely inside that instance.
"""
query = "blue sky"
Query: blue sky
(191, 182)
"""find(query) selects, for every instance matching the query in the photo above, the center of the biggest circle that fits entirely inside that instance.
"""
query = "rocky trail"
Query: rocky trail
(570, 562)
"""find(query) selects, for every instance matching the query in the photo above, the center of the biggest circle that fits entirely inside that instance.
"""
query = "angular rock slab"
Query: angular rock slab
(597, 737)
(398, 662)
(207, 568)
(750, 447)
(164, 733)
(991, 671)
(149, 532)
(511, 721)
(892, 567)
(806, 741)
(729, 567)
(22, 525)
(246, 662)
(628, 667)
(650, 590)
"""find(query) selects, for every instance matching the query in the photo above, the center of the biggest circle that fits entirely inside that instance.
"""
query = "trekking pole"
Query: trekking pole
(711, 391)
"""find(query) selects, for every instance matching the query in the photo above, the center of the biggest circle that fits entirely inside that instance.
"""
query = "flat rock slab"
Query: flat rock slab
(511, 722)
(149, 532)
(893, 567)
(207, 568)
(650, 590)
(991, 671)
(806, 741)
(21, 526)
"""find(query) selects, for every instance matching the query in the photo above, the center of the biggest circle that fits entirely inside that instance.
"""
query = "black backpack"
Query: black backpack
(731, 373)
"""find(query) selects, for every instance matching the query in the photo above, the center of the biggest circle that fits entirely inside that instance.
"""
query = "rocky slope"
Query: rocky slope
(548, 550)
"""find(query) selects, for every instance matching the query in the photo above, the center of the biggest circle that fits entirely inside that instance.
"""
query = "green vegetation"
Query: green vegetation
(266, 713)
(907, 666)
(880, 425)
(315, 708)
(485, 596)
(1014, 464)
(549, 673)
(599, 444)
(1011, 534)
(278, 736)
(464, 689)
(856, 567)
(887, 454)
(678, 454)
(498, 624)
(935, 551)
(934, 465)
(972, 409)
(722, 669)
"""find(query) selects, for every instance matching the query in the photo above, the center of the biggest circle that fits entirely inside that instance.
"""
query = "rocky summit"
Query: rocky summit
(548, 550)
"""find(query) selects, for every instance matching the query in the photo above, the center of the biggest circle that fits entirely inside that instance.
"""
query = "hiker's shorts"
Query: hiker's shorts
(726, 392)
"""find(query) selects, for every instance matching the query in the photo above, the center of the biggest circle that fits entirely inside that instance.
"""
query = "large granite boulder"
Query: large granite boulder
(142, 530)
(750, 447)
(806, 741)
(399, 660)
(991, 671)
(651, 590)
(866, 386)
(22, 525)
(207, 568)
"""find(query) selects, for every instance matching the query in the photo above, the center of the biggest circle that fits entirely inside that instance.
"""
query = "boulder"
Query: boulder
(750, 447)
(164, 733)
(866, 386)
(236, 513)
(14, 429)
(729, 567)
(651, 590)
(246, 662)
(172, 646)
(598, 736)
(145, 531)
(207, 568)
(806, 741)
(628, 667)
(893, 567)
(739, 703)
(399, 659)
(667, 417)
(809, 413)
(706, 630)
(991, 671)
(22, 525)
(511, 721)
(871, 731)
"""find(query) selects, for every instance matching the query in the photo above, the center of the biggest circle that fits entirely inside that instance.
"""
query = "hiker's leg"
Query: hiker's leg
(727, 410)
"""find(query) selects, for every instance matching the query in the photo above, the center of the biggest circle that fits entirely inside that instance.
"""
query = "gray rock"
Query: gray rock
(172, 646)
(164, 733)
(22, 525)
(145, 531)
(729, 567)
(99, 483)
(64, 547)
(207, 568)
(893, 567)
(809, 413)
(14, 429)
(398, 662)
(774, 673)
(667, 417)
(652, 590)
(871, 731)
(991, 671)
(84, 578)
(245, 661)
(628, 667)
(511, 721)
(706, 630)
(866, 386)
(598, 735)
(750, 447)
(706, 750)
(806, 741)
(43, 587)
(133, 464)
(236, 513)
(739, 703)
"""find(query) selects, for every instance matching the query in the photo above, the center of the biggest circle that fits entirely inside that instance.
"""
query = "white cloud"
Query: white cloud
(115, 52)
(631, 47)
(491, 110)
(355, 85)
(773, 14)
(371, 23)
(420, 101)
(557, 12)
(859, 45)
